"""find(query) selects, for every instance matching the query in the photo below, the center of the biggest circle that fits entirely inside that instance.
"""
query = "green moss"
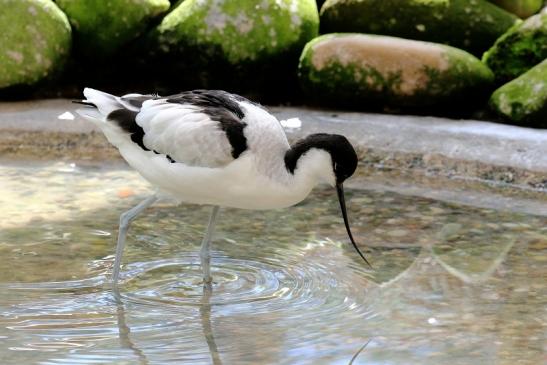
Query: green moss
(351, 81)
(524, 100)
(35, 39)
(522, 8)
(335, 75)
(101, 27)
(242, 30)
(478, 23)
(522, 47)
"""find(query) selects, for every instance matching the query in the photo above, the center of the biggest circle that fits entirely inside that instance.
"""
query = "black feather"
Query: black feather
(126, 120)
(137, 101)
(83, 102)
(344, 158)
(222, 107)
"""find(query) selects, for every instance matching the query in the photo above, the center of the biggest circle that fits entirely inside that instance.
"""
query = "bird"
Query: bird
(215, 148)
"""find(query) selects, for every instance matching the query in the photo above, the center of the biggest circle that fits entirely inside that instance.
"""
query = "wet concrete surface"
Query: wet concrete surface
(451, 213)
(451, 283)
(420, 147)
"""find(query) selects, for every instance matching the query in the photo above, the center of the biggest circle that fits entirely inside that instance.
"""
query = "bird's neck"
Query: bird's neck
(310, 166)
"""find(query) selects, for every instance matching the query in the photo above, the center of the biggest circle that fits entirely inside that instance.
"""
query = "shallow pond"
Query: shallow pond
(450, 284)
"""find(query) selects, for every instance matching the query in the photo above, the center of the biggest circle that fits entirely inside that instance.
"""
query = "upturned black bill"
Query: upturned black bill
(341, 199)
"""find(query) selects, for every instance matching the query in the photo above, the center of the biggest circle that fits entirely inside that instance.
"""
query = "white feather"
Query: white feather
(205, 171)
(184, 133)
(126, 104)
(92, 115)
(106, 103)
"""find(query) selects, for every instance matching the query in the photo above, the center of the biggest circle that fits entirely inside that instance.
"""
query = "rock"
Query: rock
(102, 27)
(35, 41)
(473, 25)
(522, 8)
(234, 44)
(239, 30)
(523, 101)
(518, 50)
(245, 46)
(360, 70)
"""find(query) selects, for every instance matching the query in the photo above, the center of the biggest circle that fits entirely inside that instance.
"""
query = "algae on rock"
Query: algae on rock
(236, 41)
(102, 27)
(472, 25)
(518, 50)
(35, 39)
(241, 30)
(524, 100)
(362, 70)
(522, 8)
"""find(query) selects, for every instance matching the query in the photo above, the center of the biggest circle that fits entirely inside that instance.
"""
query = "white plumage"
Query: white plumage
(216, 148)
(205, 172)
(186, 134)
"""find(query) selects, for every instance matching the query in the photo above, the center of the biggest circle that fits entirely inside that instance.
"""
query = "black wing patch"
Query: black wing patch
(126, 120)
(342, 153)
(137, 100)
(221, 107)
(218, 105)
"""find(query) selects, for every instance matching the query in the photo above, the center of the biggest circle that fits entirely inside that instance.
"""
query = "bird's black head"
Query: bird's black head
(344, 163)
(344, 158)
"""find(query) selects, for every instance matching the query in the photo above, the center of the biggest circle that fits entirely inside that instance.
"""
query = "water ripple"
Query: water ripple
(282, 292)
(164, 300)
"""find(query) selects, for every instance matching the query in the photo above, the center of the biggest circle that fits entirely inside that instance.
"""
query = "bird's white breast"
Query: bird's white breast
(193, 173)
(237, 185)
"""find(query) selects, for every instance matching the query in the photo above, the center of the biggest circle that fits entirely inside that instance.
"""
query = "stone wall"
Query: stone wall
(416, 56)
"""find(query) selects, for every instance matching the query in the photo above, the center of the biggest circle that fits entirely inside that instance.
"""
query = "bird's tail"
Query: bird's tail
(99, 103)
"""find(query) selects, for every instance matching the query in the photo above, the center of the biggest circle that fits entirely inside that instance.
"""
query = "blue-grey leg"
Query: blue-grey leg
(125, 219)
(205, 252)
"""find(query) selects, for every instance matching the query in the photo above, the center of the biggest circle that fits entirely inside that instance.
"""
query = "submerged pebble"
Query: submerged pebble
(276, 272)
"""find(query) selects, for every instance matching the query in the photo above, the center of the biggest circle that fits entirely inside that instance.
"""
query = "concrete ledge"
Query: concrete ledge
(454, 149)
(489, 143)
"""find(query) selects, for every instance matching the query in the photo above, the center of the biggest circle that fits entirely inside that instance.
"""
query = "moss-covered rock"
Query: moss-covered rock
(473, 25)
(239, 30)
(522, 8)
(101, 27)
(522, 47)
(245, 46)
(35, 41)
(524, 100)
(362, 70)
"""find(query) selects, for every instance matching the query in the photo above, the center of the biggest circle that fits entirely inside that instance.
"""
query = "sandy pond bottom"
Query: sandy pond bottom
(451, 283)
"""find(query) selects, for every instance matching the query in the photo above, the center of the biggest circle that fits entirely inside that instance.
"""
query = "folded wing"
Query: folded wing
(197, 128)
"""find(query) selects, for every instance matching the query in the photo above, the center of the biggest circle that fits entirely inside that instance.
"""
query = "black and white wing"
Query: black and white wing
(196, 128)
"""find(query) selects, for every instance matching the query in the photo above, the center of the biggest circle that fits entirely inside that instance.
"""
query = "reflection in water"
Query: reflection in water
(475, 278)
(124, 331)
(358, 352)
(205, 313)
(452, 283)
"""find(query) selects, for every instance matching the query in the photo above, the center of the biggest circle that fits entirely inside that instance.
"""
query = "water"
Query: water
(451, 284)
